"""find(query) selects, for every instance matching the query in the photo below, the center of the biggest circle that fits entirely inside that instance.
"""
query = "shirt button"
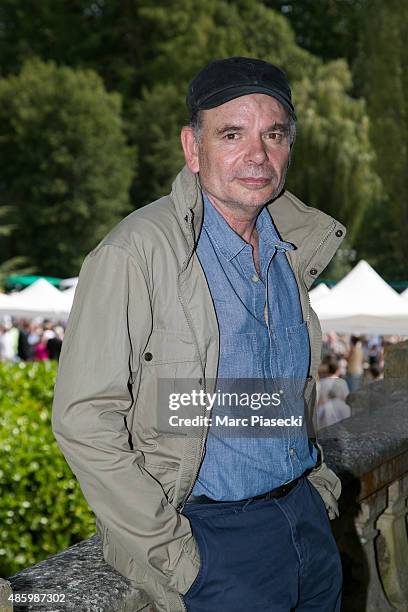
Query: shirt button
(255, 278)
(292, 452)
(148, 356)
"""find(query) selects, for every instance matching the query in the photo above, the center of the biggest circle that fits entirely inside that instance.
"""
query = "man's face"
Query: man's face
(243, 153)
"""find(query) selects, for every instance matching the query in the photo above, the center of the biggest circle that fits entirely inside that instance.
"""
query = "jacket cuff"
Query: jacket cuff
(329, 486)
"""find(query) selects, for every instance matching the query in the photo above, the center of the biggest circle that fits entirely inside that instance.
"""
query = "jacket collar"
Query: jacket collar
(315, 234)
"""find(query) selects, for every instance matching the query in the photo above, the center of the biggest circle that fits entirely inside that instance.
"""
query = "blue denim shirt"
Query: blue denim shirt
(253, 347)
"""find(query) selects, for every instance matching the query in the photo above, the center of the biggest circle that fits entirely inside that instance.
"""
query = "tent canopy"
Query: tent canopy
(68, 282)
(318, 293)
(41, 299)
(16, 280)
(362, 302)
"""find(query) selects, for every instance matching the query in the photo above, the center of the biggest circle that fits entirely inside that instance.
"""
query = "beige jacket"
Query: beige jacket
(143, 312)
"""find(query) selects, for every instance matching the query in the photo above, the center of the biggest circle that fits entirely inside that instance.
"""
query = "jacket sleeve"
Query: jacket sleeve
(108, 328)
(327, 483)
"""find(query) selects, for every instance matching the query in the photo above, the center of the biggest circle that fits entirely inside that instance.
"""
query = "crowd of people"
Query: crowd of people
(348, 362)
(24, 340)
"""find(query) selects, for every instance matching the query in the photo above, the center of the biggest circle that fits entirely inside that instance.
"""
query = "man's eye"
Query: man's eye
(231, 136)
(275, 136)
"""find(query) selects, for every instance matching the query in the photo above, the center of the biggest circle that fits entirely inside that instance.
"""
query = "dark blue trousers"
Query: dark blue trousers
(276, 555)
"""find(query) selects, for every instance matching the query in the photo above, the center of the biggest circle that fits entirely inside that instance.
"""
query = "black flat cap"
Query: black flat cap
(226, 79)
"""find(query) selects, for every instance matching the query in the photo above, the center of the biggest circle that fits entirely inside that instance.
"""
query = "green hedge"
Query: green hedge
(42, 510)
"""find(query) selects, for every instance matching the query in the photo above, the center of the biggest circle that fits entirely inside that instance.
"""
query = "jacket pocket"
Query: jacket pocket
(170, 365)
(165, 347)
(164, 474)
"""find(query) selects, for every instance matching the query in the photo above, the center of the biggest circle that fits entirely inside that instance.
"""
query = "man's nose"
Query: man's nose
(256, 151)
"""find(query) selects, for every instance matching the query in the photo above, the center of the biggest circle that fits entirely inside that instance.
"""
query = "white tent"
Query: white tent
(41, 299)
(404, 294)
(68, 296)
(318, 293)
(4, 298)
(69, 282)
(362, 302)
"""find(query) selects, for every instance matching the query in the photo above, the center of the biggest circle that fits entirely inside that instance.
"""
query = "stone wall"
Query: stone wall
(370, 453)
(82, 576)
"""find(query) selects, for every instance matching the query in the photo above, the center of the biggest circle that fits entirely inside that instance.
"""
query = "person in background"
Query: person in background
(49, 331)
(34, 336)
(332, 393)
(54, 344)
(25, 350)
(8, 340)
(355, 364)
(374, 373)
(40, 353)
(334, 343)
(3, 349)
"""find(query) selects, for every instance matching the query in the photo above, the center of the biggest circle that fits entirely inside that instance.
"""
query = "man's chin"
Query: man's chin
(259, 198)
(246, 198)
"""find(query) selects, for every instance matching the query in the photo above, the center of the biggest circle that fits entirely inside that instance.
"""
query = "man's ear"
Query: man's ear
(190, 148)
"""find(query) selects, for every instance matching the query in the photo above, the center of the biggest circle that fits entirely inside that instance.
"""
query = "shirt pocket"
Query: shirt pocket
(299, 352)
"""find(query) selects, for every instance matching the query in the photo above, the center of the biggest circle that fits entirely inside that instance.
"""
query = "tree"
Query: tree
(16, 265)
(149, 51)
(105, 36)
(333, 166)
(381, 76)
(327, 28)
(66, 166)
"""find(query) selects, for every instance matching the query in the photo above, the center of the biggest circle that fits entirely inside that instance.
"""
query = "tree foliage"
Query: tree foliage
(103, 35)
(327, 28)
(333, 157)
(66, 166)
(149, 51)
(42, 508)
(382, 78)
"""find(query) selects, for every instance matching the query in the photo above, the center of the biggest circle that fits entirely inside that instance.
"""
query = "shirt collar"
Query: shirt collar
(268, 233)
(229, 243)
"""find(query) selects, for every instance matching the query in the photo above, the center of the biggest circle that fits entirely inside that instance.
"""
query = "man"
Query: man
(210, 281)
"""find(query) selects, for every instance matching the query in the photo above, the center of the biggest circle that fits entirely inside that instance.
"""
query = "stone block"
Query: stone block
(396, 361)
(5, 592)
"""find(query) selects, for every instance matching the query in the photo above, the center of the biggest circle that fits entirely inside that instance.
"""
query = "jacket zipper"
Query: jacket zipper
(183, 604)
(319, 246)
(188, 219)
